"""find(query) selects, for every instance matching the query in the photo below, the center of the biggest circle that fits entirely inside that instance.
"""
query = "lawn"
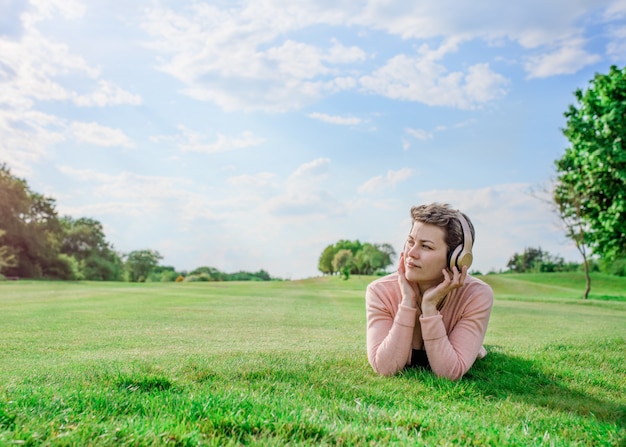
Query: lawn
(284, 363)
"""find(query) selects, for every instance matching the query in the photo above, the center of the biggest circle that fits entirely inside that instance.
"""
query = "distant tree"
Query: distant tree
(212, 274)
(591, 175)
(7, 258)
(353, 246)
(367, 258)
(569, 208)
(32, 229)
(535, 260)
(84, 240)
(342, 262)
(139, 264)
(389, 255)
(325, 264)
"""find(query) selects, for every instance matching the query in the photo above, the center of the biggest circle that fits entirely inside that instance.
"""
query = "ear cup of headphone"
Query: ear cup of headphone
(465, 259)
(452, 262)
(462, 254)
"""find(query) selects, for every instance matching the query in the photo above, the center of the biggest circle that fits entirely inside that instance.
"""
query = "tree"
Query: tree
(367, 259)
(7, 258)
(84, 240)
(342, 262)
(535, 260)
(591, 175)
(32, 229)
(139, 264)
(569, 209)
(325, 264)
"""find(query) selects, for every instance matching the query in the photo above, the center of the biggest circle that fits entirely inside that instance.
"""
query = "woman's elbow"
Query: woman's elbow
(383, 369)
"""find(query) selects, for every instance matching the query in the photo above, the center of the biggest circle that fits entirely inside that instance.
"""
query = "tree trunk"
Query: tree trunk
(587, 277)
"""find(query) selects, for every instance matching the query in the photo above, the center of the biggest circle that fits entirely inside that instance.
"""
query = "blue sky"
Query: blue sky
(249, 135)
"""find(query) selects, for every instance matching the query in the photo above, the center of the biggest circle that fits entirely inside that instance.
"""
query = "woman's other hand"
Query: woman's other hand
(409, 290)
(435, 295)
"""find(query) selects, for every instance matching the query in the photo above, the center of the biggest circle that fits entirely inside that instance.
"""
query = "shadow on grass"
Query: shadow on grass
(504, 376)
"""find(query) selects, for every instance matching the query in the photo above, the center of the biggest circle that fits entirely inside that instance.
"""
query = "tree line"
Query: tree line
(536, 260)
(35, 242)
(353, 257)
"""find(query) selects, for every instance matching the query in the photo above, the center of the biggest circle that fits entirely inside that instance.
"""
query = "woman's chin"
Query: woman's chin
(412, 276)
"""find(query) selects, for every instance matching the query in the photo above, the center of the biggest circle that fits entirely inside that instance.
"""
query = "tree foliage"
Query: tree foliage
(536, 260)
(32, 230)
(355, 257)
(140, 263)
(591, 175)
(84, 240)
(7, 259)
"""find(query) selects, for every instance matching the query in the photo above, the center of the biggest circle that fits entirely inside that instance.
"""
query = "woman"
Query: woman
(430, 313)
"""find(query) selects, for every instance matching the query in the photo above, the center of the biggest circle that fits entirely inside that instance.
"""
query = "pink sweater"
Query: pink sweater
(452, 339)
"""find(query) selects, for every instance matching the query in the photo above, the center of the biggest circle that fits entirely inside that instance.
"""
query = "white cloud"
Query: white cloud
(319, 204)
(421, 134)
(193, 142)
(48, 9)
(304, 193)
(315, 170)
(333, 119)
(424, 135)
(240, 59)
(107, 93)
(25, 136)
(245, 57)
(423, 79)
(616, 48)
(568, 59)
(34, 69)
(616, 10)
(94, 133)
(256, 182)
(390, 180)
(532, 23)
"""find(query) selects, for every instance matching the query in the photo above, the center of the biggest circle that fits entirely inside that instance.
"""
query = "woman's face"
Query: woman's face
(425, 253)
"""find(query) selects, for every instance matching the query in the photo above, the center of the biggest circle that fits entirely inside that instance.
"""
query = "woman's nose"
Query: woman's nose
(413, 252)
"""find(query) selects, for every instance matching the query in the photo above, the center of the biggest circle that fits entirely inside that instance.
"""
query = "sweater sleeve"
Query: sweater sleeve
(388, 338)
(452, 355)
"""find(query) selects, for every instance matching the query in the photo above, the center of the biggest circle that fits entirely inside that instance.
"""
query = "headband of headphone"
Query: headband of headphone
(462, 254)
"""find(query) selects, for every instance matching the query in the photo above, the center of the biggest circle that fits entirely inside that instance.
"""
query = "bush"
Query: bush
(617, 267)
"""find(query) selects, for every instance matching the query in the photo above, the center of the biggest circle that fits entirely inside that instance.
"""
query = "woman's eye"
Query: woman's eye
(427, 247)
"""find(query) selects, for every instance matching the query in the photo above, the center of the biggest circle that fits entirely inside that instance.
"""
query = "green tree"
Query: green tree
(535, 260)
(367, 258)
(84, 240)
(342, 262)
(7, 258)
(210, 273)
(139, 264)
(325, 264)
(32, 227)
(591, 175)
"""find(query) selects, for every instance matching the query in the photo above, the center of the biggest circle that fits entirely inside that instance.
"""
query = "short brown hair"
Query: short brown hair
(445, 217)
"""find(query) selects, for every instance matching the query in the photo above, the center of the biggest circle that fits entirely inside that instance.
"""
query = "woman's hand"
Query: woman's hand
(435, 295)
(410, 291)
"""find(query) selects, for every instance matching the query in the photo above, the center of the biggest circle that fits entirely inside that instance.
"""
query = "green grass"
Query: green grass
(284, 363)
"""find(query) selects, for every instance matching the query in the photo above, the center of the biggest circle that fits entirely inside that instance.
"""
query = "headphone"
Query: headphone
(462, 254)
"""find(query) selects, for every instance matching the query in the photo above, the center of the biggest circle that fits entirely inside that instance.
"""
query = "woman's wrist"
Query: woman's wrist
(429, 310)
(409, 302)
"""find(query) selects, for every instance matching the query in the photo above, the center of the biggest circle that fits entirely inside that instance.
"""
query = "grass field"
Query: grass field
(284, 363)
